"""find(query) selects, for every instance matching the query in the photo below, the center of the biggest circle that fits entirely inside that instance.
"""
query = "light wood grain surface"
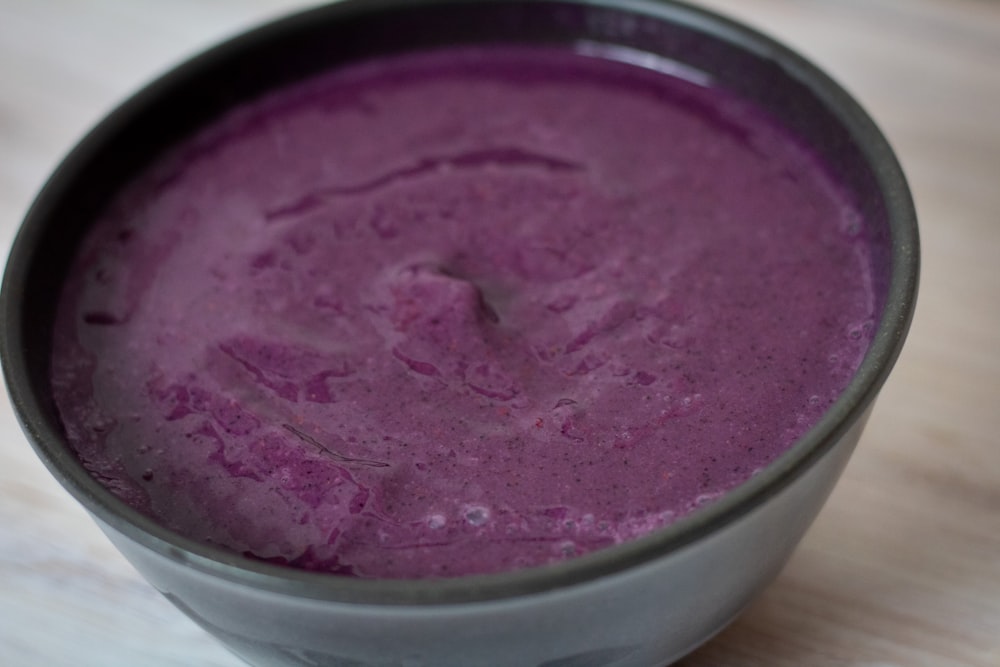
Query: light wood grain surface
(903, 566)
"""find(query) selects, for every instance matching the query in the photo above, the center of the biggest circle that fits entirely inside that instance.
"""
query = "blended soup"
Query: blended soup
(460, 312)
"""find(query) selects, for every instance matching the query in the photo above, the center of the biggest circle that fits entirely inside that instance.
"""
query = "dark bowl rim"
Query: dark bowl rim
(849, 409)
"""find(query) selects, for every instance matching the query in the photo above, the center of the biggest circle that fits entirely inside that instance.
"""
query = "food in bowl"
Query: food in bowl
(459, 311)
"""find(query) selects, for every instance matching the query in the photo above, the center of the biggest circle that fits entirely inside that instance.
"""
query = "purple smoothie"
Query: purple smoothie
(460, 312)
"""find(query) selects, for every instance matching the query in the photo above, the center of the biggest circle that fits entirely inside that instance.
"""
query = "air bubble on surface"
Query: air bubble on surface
(707, 498)
(476, 515)
(566, 548)
(852, 222)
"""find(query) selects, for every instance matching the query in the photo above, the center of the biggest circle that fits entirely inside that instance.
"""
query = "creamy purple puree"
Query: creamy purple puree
(460, 312)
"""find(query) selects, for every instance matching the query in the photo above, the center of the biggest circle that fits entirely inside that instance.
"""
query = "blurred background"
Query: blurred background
(902, 569)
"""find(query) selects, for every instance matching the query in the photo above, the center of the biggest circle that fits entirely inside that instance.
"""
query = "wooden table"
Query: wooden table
(903, 566)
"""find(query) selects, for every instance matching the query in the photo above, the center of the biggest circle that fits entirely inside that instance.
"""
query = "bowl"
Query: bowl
(642, 603)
